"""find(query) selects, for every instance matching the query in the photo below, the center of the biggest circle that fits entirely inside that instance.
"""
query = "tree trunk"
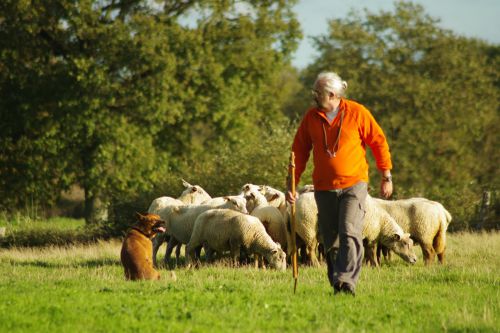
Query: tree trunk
(96, 209)
(485, 207)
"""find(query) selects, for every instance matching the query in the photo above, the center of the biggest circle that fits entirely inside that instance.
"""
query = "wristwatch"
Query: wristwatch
(387, 178)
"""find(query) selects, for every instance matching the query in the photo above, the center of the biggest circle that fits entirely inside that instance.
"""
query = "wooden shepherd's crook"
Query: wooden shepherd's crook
(291, 181)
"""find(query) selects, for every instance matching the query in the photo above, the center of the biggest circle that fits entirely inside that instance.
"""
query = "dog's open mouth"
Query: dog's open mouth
(160, 229)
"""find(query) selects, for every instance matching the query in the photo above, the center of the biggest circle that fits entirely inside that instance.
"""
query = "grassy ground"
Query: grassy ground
(82, 289)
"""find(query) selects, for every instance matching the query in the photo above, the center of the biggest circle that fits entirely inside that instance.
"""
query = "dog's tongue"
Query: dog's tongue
(161, 229)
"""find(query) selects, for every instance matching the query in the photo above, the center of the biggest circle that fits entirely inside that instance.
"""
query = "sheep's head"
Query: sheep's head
(193, 194)
(273, 194)
(250, 203)
(402, 245)
(237, 203)
(306, 189)
(277, 258)
(247, 188)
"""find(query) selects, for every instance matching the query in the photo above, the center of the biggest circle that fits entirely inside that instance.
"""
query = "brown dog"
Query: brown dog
(137, 248)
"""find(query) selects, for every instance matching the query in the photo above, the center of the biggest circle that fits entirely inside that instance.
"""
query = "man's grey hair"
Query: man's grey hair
(331, 82)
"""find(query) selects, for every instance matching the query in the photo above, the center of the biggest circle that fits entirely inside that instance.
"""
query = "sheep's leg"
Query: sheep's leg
(383, 251)
(311, 253)
(387, 254)
(428, 253)
(256, 259)
(210, 255)
(441, 257)
(321, 252)
(191, 256)
(379, 252)
(168, 253)
(235, 251)
(370, 256)
(304, 257)
(177, 253)
(157, 242)
(244, 257)
(198, 252)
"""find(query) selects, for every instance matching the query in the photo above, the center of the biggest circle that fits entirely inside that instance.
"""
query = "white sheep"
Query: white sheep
(228, 230)
(306, 227)
(425, 220)
(192, 195)
(179, 220)
(275, 197)
(380, 227)
(307, 224)
(270, 216)
(247, 189)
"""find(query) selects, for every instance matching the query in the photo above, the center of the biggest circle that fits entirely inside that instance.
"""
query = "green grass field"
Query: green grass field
(27, 224)
(82, 289)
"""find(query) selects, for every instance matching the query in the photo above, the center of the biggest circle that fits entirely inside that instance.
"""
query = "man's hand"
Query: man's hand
(290, 198)
(386, 185)
(386, 189)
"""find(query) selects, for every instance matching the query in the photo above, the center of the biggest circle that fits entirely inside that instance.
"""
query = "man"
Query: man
(338, 130)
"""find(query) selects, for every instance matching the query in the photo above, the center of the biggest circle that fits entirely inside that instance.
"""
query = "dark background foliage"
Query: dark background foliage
(120, 100)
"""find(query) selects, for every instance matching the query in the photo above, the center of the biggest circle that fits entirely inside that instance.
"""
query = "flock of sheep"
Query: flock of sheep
(255, 223)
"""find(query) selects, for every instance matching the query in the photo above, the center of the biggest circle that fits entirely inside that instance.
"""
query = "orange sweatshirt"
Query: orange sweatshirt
(349, 165)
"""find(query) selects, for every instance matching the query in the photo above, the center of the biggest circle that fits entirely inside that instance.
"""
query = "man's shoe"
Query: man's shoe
(343, 288)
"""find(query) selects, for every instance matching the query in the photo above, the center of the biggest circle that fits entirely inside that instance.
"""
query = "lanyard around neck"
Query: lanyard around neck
(335, 148)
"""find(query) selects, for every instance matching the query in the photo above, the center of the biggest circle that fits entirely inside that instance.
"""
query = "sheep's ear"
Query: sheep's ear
(226, 198)
(396, 237)
(194, 189)
(246, 187)
(274, 197)
(185, 183)
(407, 236)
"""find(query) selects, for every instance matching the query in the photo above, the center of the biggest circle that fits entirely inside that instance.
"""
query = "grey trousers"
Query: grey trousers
(341, 219)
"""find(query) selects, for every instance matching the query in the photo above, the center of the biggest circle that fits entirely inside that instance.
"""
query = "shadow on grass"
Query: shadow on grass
(171, 264)
(472, 329)
(79, 264)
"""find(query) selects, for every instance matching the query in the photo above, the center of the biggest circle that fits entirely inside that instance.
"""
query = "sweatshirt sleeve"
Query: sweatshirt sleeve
(374, 137)
(301, 147)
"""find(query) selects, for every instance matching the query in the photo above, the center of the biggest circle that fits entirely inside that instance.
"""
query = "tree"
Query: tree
(113, 94)
(435, 95)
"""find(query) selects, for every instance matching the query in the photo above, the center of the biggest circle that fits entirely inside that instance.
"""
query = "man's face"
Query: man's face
(322, 98)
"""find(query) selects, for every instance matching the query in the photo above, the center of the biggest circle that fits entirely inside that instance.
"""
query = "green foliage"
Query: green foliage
(435, 95)
(82, 289)
(112, 95)
(260, 157)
